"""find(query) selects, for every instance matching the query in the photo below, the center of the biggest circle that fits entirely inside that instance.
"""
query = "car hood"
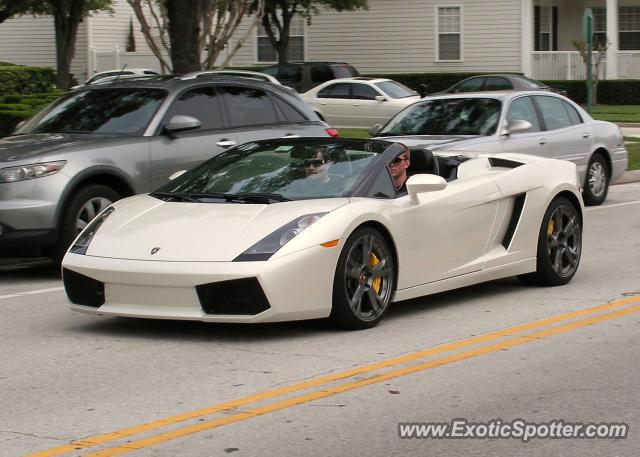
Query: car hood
(194, 232)
(441, 141)
(21, 147)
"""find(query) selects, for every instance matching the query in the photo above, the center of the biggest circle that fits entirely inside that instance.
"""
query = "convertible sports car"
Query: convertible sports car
(308, 228)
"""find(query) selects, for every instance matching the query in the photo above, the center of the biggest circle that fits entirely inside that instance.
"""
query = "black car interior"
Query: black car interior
(424, 162)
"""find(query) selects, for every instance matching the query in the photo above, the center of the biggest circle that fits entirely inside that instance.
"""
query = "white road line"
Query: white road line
(31, 292)
(593, 208)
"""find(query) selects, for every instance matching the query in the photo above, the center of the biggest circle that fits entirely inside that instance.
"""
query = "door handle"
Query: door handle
(356, 104)
(586, 135)
(542, 142)
(226, 143)
(291, 135)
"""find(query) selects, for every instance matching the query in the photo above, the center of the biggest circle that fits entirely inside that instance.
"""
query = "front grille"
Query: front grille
(236, 297)
(83, 290)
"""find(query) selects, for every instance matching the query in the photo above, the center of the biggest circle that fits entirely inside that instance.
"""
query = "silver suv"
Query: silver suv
(96, 145)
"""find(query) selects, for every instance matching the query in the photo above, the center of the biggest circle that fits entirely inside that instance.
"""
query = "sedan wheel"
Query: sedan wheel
(364, 281)
(559, 245)
(597, 184)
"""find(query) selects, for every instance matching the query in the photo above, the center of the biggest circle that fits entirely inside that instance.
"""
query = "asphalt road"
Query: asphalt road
(305, 389)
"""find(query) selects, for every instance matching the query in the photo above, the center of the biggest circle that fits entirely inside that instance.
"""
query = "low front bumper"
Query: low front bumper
(296, 286)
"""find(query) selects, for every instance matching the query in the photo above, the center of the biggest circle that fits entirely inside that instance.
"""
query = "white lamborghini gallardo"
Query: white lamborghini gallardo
(309, 228)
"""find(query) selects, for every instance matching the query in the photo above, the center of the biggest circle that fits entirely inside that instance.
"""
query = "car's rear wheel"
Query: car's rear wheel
(597, 182)
(364, 282)
(559, 245)
(85, 204)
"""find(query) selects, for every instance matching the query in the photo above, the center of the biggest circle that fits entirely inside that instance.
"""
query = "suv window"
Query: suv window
(363, 92)
(498, 83)
(553, 112)
(248, 106)
(203, 103)
(288, 112)
(289, 74)
(522, 108)
(321, 73)
(343, 71)
(469, 85)
(339, 90)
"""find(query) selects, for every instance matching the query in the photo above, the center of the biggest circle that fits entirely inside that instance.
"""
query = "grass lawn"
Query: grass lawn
(616, 113)
(354, 133)
(634, 155)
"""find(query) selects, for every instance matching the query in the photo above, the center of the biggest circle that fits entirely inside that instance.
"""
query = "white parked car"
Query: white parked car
(531, 122)
(306, 228)
(359, 102)
(110, 75)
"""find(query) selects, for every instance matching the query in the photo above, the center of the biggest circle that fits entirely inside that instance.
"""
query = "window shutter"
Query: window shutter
(554, 28)
(536, 28)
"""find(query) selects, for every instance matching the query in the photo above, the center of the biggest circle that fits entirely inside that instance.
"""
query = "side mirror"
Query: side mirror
(373, 131)
(381, 98)
(182, 123)
(18, 125)
(418, 184)
(177, 174)
(517, 126)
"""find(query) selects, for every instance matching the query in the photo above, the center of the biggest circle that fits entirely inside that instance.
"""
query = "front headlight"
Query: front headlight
(32, 171)
(81, 244)
(268, 246)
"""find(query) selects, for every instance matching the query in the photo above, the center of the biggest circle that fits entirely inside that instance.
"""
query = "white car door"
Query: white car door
(334, 103)
(533, 141)
(569, 137)
(447, 232)
(366, 110)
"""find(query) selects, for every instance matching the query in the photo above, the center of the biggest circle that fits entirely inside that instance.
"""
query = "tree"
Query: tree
(131, 38)
(276, 20)
(600, 47)
(183, 29)
(10, 8)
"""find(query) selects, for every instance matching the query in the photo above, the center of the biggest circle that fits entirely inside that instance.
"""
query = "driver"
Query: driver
(317, 166)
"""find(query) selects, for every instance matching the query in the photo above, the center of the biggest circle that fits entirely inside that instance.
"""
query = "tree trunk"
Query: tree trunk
(184, 30)
(283, 51)
(67, 17)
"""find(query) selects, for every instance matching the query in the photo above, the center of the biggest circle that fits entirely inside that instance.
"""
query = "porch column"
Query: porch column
(612, 37)
(526, 46)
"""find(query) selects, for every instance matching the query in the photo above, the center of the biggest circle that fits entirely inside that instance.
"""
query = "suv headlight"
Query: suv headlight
(81, 244)
(32, 171)
(268, 246)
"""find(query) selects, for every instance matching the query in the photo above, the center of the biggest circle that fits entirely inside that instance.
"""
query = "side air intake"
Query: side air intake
(504, 163)
(83, 290)
(518, 204)
(236, 297)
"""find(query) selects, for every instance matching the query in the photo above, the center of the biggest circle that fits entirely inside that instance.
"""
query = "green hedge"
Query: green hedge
(26, 80)
(17, 108)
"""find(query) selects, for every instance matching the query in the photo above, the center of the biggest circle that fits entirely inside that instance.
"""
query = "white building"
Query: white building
(402, 36)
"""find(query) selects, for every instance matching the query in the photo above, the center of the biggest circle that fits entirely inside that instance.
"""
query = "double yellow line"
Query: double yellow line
(522, 334)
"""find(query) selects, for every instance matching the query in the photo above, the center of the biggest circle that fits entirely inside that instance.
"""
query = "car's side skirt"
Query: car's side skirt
(502, 271)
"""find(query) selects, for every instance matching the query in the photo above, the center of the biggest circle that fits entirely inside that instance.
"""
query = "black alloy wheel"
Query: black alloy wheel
(364, 282)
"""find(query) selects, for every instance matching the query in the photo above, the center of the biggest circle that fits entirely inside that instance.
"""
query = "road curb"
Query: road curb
(629, 176)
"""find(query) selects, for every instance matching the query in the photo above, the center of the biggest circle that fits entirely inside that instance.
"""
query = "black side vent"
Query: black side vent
(518, 204)
(236, 297)
(83, 290)
(504, 163)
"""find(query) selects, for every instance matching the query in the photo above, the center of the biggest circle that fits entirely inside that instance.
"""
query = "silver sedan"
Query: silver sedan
(544, 124)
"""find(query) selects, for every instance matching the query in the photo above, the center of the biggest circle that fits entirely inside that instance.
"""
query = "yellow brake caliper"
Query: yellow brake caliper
(376, 284)
(549, 233)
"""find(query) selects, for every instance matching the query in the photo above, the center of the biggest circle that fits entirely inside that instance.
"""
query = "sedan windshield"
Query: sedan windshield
(123, 111)
(450, 116)
(395, 90)
(278, 170)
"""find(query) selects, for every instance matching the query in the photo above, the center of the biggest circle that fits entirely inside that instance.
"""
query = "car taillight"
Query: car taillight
(333, 133)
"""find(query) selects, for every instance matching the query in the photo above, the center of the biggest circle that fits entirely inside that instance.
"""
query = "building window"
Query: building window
(268, 54)
(599, 26)
(449, 33)
(629, 18)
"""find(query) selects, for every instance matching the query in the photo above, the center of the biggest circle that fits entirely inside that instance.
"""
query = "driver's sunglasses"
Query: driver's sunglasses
(313, 163)
(397, 160)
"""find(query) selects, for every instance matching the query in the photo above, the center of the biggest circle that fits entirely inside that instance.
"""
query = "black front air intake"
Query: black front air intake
(236, 297)
(83, 290)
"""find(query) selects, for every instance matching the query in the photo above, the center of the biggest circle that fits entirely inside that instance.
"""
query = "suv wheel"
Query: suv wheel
(85, 204)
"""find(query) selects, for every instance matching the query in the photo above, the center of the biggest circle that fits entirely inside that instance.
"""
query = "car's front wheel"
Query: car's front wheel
(364, 282)
(85, 204)
(559, 245)
(597, 182)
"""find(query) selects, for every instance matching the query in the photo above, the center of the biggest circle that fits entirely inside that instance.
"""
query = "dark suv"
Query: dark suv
(98, 144)
(303, 76)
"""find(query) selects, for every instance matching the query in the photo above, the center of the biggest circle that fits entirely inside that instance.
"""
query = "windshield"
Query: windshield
(395, 90)
(451, 116)
(123, 111)
(281, 169)
(535, 84)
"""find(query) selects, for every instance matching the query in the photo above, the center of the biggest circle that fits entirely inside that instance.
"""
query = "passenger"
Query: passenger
(398, 169)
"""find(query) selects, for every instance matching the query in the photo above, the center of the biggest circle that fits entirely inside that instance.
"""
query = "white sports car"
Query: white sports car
(305, 228)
